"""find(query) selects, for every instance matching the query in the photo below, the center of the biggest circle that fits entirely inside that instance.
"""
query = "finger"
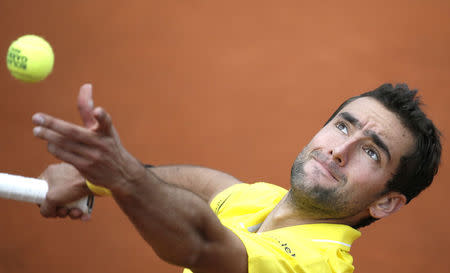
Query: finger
(105, 125)
(79, 155)
(62, 212)
(71, 152)
(85, 166)
(85, 217)
(48, 209)
(86, 106)
(75, 213)
(104, 121)
(74, 159)
(54, 137)
(66, 144)
(64, 128)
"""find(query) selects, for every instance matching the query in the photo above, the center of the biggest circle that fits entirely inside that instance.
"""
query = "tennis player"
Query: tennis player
(375, 154)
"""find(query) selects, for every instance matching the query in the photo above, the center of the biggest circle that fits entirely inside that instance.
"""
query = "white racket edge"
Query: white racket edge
(33, 190)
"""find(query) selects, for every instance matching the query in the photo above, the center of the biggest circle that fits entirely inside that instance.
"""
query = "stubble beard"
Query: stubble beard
(312, 199)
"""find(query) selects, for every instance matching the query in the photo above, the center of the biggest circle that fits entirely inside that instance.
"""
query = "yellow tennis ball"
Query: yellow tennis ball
(30, 58)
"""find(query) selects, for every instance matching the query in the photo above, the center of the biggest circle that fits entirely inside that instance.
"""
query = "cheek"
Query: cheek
(365, 177)
(326, 137)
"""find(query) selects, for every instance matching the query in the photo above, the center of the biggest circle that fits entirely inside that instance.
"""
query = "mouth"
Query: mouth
(328, 170)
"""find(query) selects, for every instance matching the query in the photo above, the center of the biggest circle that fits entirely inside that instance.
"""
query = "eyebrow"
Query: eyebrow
(373, 136)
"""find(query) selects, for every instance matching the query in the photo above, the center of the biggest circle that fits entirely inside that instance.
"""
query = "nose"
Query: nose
(340, 153)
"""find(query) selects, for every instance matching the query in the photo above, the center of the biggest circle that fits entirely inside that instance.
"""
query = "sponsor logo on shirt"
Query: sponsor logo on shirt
(286, 248)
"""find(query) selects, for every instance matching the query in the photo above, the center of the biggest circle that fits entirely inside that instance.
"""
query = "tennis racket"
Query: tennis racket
(34, 190)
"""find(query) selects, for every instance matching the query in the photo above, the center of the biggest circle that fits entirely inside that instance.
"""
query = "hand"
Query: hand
(96, 151)
(65, 185)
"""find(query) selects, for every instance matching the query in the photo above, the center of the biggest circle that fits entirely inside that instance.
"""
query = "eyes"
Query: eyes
(372, 153)
(369, 150)
(342, 127)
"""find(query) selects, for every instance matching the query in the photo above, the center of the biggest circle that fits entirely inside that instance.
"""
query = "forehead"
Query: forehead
(374, 116)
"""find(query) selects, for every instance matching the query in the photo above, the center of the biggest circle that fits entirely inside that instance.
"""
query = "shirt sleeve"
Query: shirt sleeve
(219, 202)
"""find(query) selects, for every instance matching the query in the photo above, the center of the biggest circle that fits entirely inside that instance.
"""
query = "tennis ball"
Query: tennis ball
(30, 58)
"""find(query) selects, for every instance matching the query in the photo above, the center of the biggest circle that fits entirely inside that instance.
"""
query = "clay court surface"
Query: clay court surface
(240, 86)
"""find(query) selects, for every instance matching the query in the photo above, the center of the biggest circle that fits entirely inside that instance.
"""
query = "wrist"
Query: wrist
(102, 191)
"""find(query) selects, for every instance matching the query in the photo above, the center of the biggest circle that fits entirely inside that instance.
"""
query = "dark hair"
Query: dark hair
(418, 168)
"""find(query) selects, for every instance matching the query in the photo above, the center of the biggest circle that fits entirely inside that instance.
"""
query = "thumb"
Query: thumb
(86, 106)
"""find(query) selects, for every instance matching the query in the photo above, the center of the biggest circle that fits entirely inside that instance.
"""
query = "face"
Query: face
(347, 164)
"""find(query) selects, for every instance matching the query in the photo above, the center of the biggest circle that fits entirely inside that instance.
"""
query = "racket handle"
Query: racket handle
(27, 189)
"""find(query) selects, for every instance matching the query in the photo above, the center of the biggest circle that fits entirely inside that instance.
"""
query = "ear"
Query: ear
(386, 205)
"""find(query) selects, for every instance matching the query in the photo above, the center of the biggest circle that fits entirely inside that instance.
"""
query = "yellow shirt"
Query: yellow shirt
(302, 248)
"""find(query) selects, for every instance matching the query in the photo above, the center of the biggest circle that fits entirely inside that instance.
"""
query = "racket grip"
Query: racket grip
(27, 189)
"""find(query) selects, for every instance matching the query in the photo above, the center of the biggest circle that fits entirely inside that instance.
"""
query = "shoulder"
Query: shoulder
(244, 194)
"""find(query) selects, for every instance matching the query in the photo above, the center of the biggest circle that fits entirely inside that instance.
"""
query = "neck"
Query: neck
(285, 214)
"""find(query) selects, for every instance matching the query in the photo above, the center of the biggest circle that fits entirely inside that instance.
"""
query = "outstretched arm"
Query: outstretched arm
(176, 222)
(204, 182)
(180, 226)
(67, 185)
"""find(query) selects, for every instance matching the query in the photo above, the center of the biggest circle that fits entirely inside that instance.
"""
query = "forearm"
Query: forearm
(204, 182)
(175, 222)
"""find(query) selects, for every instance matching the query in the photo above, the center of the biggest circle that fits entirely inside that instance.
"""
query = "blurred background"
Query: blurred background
(240, 86)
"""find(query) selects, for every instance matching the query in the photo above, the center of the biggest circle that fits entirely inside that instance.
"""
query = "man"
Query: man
(376, 153)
